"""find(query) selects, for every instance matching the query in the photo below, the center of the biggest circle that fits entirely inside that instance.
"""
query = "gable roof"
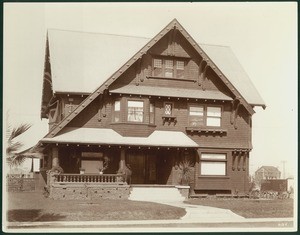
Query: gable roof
(269, 169)
(80, 62)
(117, 71)
(227, 62)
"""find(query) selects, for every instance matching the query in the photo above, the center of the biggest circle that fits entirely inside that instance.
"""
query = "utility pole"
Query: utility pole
(283, 163)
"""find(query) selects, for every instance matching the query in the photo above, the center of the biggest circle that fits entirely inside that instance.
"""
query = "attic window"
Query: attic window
(169, 68)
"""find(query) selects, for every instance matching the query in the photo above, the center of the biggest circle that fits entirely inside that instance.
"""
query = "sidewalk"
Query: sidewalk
(264, 224)
(204, 217)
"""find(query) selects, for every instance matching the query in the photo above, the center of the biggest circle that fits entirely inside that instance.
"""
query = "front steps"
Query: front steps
(158, 193)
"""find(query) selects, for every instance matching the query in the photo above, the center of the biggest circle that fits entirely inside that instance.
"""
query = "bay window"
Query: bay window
(135, 111)
(117, 110)
(151, 113)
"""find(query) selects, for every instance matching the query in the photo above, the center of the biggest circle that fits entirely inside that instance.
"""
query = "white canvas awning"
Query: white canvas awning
(103, 136)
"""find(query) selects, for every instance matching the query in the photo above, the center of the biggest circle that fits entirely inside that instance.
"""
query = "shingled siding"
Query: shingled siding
(239, 137)
(96, 115)
(235, 181)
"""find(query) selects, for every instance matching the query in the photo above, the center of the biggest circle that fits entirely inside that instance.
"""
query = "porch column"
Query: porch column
(55, 158)
(122, 159)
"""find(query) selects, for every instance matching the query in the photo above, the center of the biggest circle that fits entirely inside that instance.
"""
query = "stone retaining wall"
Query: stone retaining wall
(88, 192)
(20, 184)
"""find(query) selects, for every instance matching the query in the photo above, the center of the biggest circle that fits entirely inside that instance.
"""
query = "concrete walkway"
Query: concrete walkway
(205, 213)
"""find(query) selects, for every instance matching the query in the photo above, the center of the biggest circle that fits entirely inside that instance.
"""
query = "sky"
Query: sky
(263, 36)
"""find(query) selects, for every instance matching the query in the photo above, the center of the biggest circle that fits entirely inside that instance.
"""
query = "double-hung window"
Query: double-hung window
(196, 116)
(151, 113)
(205, 116)
(213, 164)
(169, 68)
(213, 116)
(117, 109)
(135, 111)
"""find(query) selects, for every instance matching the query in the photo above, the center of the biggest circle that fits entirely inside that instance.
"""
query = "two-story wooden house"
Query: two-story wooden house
(149, 103)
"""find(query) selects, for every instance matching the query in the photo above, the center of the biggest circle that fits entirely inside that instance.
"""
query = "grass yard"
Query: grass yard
(33, 206)
(251, 208)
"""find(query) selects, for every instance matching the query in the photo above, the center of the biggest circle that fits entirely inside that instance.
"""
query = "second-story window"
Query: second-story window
(168, 109)
(205, 116)
(213, 116)
(196, 116)
(117, 111)
(135, 111)
(169, 68)
(151, 113)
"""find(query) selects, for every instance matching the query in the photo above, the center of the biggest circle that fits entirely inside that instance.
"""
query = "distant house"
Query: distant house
(149, 103)
(266, 173)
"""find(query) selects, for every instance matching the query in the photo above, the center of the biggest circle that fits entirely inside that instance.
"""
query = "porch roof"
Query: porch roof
(171, 92)
(103, 136)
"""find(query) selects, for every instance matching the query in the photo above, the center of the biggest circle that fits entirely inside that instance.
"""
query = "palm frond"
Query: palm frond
(18, 131)
(13, 147)
(16, 160)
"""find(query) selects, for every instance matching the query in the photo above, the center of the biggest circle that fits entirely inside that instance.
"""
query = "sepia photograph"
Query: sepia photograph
(150, 117)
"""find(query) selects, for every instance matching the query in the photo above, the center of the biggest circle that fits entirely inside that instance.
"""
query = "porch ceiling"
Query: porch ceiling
(101, 136)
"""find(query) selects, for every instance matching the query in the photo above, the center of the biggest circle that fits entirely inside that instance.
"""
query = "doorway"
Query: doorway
(143, 166)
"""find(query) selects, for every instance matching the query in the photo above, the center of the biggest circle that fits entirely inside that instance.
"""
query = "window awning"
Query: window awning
(171, 92)
(101, 136)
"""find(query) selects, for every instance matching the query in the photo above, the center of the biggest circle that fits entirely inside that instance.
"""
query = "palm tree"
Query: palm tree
(13, 157)
(186, 171)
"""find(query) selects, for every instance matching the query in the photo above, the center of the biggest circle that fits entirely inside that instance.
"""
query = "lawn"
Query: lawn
(33, 206)
(251, 208)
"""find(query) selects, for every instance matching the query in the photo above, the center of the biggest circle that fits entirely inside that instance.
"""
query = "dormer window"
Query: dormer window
(169, 68)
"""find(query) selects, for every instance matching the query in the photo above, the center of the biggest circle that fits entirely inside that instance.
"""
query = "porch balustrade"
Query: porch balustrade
(90, 178)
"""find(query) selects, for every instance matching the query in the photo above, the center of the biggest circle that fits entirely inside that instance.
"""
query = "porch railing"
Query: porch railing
(90, 178)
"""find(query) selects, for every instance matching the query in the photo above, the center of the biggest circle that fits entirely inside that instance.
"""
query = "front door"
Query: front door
(136, 161)
(143, 167)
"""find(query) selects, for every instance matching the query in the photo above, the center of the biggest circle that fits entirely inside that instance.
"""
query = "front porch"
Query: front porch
(110, 186)
(87, 186)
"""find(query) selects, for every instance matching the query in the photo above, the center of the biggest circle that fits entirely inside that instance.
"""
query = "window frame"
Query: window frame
(143, 112)
(120, 111)
(221, 112)
(189, 116)
(174, 67)
(172, 109)
(207, 160)
(151, 113)
(205, 116)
